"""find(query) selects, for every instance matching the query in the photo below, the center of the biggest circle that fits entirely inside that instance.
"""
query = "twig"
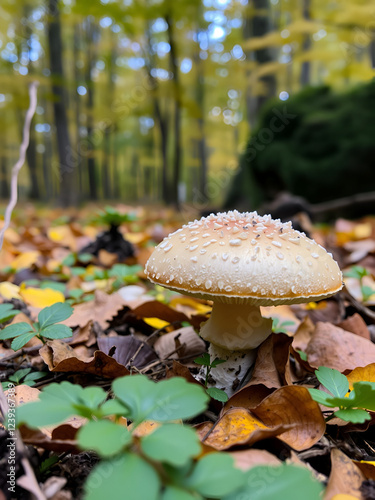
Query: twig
(21, 160)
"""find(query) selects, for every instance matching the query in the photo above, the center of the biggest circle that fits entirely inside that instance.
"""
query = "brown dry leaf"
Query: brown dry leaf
(128, 349)
(303, 334)
(179, 370)
(169, 342)
(101, 366)
(249, 397)
(102, 309)
(25, 394)
(362, 374)
(345, 477)
(145, 428)
(84, 335)
(246, 459)
(336, 348)
(107, 259)
(238, 426)
(293, 406)
(55, 351)
(62, 439)
(367, 468)
(155, 309)
(355, 324)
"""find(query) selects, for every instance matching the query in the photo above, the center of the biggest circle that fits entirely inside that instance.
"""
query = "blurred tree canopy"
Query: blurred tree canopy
(153, 100)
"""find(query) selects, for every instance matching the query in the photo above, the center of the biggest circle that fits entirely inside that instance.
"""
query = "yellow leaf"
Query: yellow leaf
(64, 235)
(343, 496)
(156, 322)
(38, 297)
(25, 260)
(9, 290)
(197, 307)
(362, 374)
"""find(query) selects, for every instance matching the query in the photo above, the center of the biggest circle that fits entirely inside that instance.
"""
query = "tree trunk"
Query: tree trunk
(177, 116)
(258, 25)
(305, 70)
(66, 163)
(91, 168)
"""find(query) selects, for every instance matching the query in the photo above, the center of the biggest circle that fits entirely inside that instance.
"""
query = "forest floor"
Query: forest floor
(122, 325)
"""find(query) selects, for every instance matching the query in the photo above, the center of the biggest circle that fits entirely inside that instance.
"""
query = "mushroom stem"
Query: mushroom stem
(235, 331)
(236, 327)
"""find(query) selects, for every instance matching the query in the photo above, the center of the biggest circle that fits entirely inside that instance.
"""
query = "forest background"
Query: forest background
(146, 101)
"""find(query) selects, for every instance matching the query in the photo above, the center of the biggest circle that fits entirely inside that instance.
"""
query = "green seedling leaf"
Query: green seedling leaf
(127, 476)
(104, 437)
(7, 312)
(11, 331)
(163, 401)
(172, 443)
(19, 375)
(21, 340)
(333, 380)
(34, 376)
(362, 396)
(216, 362)
(273, 483)
(114, 407)
(367, 292)
(57, 403)
(175, 493)
(357, 272)
(353, 415)
(302, 355)
(55, 285)
(215, 476)
(93, 397)
(54, 314)
(85, 257)
(203, 360)
(69, 260)
(47, 464)
(78, 271)
(217, 394)
(56, 332)
(76, 293)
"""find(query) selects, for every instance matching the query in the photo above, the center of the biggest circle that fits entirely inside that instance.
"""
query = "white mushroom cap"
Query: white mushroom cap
(244, 257)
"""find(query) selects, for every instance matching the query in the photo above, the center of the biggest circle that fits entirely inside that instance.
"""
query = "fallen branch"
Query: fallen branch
(21, 160)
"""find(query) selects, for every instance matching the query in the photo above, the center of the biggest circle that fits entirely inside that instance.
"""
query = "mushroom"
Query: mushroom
(241, 261)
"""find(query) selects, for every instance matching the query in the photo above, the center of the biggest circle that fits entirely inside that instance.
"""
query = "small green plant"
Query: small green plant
(112, 217)
(23, 376)
(352, 405)
(359, 273)
(47, 327)
(279, 326)
(213, 392)
(161, 465)
(124, 274)
(7, 312)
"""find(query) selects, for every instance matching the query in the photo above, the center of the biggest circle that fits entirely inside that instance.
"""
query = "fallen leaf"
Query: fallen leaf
(62, 439)
(187, 336)
(64, 236)
(293, 406)
(25, 260)
(345, 477)
(9, 290)
(144, 428)
(303, 334)
(155, 309)
(246, 459)
(102, 309)
(362, 374)
(128, 349)
(41, 297)
(101, 366)
(367, 468)
(249, 397)
(355, 324)
(55, 351)
(336, 348)
(237, 427)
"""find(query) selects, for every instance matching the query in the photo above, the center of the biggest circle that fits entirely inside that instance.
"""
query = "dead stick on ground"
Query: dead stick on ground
(21, 160)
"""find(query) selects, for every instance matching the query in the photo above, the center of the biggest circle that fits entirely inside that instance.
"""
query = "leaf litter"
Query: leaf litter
(118, 331)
